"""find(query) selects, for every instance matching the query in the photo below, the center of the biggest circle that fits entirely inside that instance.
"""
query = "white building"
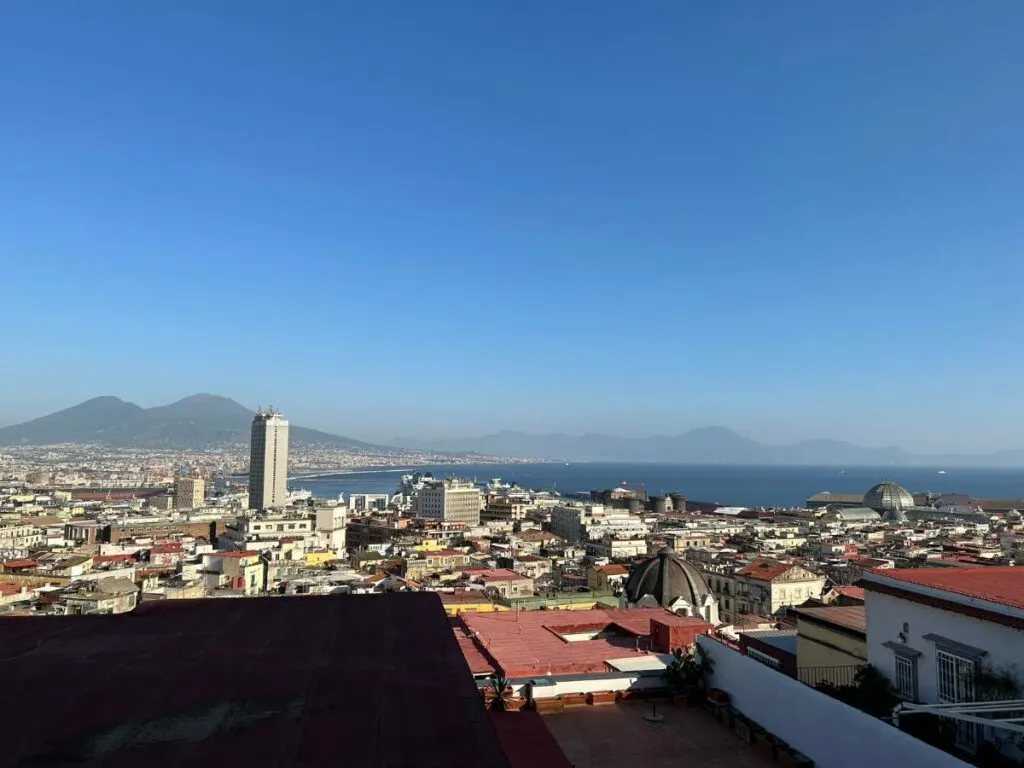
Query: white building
(586, 522)
(937, 633)
(268, 461)
(452, 500)
(330, 528)
(17, 538)
(368, 502)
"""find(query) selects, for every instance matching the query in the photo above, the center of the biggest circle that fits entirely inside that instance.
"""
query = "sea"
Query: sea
(729, 485)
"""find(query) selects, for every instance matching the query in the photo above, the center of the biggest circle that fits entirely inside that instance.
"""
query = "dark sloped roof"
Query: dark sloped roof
(288, 681)
(666, 577)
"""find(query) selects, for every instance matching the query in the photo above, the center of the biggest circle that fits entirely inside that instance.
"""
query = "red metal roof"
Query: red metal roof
(379, 677)
(997, 584)
(529, 643)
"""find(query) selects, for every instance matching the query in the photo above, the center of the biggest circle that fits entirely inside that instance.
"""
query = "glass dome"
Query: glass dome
(889, 499)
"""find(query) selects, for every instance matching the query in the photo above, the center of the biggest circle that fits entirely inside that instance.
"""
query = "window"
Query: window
(906, 677)
(956, 685)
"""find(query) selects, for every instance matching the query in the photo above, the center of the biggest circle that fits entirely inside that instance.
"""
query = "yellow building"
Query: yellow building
(603, 577)
(830, 641)
(429, 545)
(469, 602)
(319, 558)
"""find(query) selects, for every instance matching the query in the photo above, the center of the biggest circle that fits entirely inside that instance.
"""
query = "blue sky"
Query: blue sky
(445, 218)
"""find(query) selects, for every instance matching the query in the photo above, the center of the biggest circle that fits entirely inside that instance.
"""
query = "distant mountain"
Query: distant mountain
(707, 445)
(194, 422)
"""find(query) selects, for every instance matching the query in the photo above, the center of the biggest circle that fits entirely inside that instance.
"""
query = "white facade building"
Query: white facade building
(330, 528)
(268, 461)
(936, 632)
(586, 522)
(456, 501)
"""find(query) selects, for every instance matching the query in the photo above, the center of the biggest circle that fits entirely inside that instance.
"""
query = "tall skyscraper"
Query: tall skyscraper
(268, 461)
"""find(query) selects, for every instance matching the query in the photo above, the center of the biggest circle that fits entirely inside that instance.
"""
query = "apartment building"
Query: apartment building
(586, 522)
(451, 500)
(189, 492)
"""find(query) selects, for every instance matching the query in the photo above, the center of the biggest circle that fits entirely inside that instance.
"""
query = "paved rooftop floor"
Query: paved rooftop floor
(617, 735)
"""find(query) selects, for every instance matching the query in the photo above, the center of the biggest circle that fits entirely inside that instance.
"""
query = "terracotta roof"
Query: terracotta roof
(765, 570)
(291, 714)
(612, 570)
(997, 584)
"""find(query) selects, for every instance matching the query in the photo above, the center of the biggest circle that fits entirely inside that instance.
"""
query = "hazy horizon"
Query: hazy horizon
(451, 219)
(396, 438)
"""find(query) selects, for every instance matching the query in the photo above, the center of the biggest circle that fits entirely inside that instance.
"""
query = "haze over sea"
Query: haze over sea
(728, 485)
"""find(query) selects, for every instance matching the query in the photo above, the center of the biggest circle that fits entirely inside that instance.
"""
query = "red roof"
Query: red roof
(613, 569)
(997, 584)
(24, 563)
(166, 549)
(765, 570)
(119, 558)
(533, 643)
(319, 657)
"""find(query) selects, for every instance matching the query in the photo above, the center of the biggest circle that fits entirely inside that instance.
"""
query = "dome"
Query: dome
(890, 500)
(666, 577)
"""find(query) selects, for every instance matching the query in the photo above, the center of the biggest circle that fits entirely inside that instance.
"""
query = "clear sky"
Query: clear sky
(799, 219)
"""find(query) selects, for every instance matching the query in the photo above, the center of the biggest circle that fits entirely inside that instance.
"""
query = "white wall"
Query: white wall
(829, 732)
(886, 616)
(590, 685)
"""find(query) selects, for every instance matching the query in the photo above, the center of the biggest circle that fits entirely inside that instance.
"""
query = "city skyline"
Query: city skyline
(797, 223)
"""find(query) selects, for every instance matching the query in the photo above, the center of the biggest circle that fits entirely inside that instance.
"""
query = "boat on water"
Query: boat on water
(942, 471)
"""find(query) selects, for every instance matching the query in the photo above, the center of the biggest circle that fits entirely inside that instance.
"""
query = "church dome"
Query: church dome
(890, 500)
(666, 577)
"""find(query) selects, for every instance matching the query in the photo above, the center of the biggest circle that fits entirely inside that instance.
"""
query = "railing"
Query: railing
(837, 676)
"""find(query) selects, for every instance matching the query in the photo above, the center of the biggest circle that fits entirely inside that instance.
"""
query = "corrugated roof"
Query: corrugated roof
(847, 616)
(530, 643)
(276, 681)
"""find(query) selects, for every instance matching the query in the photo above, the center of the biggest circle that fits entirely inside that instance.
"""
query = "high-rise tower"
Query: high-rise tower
(268, 461)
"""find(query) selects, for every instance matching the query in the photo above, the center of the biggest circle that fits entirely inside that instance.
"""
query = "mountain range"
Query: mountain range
(706, 445)
(198, 421)
(204, 421)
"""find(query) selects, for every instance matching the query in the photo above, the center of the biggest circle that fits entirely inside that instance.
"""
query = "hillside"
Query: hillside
(197, 421)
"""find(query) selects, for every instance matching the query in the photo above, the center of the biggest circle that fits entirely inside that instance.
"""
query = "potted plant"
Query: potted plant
(498, 695)
(686, 674)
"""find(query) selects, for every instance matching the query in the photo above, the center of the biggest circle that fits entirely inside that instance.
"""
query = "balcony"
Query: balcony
(841, 675)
